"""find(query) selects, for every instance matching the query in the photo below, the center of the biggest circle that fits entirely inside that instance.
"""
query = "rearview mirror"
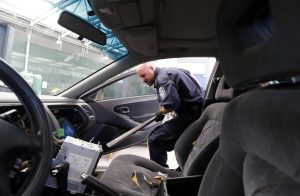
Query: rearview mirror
(81, 27)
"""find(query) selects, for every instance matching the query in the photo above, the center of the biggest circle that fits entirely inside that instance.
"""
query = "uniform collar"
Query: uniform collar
(157, 69)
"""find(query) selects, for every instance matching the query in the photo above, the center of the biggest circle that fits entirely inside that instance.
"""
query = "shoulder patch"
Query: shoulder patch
(162, 92)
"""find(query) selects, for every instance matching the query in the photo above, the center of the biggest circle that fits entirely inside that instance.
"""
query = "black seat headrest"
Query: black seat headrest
(258, 40)
(224, 92)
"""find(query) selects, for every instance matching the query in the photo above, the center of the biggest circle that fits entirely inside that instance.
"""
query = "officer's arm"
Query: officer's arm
(169, 97)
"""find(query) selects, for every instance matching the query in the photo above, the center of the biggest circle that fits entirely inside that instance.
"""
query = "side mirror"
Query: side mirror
(81, 27)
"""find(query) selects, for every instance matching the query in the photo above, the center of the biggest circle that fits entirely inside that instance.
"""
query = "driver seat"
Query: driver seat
(130, 174)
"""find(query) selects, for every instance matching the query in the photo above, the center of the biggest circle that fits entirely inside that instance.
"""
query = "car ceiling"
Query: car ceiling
(154, 29)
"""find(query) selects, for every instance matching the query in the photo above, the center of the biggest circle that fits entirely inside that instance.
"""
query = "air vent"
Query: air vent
(89, 112)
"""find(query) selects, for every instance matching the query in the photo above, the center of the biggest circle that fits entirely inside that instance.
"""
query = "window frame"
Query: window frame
(91, 94)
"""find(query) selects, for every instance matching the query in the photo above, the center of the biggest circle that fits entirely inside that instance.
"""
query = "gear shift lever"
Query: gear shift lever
(60, 172)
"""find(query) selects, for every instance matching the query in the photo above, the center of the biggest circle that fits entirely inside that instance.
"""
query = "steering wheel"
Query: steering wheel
(14, 142)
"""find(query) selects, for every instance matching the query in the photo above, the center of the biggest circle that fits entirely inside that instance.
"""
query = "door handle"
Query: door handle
(124, 110)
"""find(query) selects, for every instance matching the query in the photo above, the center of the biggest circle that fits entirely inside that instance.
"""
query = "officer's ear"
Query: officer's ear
(152, 67)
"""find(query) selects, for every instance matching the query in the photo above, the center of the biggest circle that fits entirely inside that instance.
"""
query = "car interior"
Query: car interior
(245, 142)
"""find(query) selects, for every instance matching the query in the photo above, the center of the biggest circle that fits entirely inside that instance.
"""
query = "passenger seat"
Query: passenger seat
(132, 175)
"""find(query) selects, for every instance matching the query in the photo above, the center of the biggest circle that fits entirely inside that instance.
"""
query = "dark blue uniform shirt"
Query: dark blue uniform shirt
(177, 89)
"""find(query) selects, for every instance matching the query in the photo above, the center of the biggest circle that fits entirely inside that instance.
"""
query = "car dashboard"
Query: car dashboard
(76, 115)
(66, 117)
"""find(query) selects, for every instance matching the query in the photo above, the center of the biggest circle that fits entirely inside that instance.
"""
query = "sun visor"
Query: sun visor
(117, 14)
(142, 40)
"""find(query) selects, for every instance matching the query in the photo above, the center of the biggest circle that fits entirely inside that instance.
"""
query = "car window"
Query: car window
(200, 69)
(127, 87)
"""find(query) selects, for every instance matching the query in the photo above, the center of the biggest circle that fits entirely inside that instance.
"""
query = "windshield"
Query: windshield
(50, 58)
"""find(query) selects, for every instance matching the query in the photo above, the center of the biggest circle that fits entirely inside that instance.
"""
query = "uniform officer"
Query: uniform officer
(178, 92)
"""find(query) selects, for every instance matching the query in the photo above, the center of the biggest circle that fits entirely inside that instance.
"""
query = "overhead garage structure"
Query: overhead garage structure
(40, 46)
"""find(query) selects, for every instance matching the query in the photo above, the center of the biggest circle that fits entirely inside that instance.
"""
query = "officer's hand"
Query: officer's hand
(159, 116)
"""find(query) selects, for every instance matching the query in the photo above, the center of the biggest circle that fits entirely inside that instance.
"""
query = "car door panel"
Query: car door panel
(117, 116)
(136, 110)
(137, 106)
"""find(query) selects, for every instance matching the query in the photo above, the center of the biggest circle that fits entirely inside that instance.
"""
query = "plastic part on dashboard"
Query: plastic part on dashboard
(60, 172)
(89, 111)
(81, 116)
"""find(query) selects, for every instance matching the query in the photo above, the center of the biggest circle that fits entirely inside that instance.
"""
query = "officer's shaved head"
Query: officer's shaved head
(146, 72)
